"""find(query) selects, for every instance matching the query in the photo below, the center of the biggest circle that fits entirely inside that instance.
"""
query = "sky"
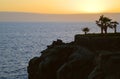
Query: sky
(61, 6)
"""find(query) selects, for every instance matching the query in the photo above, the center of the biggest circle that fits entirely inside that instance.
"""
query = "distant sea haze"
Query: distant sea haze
(32, 17)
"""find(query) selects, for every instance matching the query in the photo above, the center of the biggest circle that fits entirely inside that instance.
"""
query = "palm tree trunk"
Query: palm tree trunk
(115, 30)
(85, 33)
(101, 30)
(105, 29)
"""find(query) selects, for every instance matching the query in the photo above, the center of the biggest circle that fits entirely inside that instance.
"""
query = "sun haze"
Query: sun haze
(61, 6)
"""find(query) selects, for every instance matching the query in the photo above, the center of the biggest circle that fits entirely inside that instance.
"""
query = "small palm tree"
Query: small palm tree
(114, 25)
(86, 29)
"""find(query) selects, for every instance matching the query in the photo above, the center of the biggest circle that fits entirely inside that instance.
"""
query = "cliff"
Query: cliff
(88, 57)
(107, 42)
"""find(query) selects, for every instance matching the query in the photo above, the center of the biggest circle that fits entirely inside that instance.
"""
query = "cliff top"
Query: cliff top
(98, 35)
(110, 41)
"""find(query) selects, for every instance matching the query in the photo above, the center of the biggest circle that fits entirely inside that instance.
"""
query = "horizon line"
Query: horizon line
(59, 14)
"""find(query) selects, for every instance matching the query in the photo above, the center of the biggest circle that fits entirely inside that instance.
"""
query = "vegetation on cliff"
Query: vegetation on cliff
(89, 56)
(104, 23)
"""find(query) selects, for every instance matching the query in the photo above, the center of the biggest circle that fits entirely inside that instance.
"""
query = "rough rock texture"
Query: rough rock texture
(61, 61)
(108, 66)
(78, 66)
(73, 61)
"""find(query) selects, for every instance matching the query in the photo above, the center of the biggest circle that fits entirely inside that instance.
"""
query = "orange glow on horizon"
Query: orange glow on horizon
(61, 6)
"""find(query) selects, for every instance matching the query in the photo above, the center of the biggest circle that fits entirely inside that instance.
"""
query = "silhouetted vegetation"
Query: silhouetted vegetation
(104, 23)
(86, 29)
(114, 26)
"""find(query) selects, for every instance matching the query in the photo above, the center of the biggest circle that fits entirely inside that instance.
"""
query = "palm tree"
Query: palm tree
(100, 23)
(114, 25)
(103, 23)
(106, 23)
(86, 29)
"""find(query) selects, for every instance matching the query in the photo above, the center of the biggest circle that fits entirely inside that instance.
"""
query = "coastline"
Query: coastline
(84, 58)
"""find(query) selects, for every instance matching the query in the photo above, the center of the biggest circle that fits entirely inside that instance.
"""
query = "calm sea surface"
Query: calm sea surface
(19, 42)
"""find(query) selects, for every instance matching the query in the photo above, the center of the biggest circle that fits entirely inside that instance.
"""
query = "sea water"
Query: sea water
(19, 42)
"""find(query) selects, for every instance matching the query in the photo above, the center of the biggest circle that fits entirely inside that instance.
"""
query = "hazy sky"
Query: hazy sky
(61, 6)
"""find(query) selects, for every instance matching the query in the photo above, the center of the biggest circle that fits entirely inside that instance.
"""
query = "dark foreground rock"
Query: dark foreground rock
(71, 61)
(60, 62)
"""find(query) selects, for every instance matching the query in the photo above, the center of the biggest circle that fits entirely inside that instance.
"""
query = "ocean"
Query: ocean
(19, 42)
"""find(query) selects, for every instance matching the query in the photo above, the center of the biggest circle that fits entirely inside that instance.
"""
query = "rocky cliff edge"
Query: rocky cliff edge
(78, 60)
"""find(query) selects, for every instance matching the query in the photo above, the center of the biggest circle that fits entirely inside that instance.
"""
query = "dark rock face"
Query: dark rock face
(71, 61)
(78, 66)
(99, 42)
(33, 68)
(62, 62)
(108, 66)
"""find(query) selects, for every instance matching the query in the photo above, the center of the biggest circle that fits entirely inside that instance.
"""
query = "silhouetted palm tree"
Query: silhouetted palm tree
(114, 25)
(103, 23)
(86, 29)
(100, 23)
(106, 24)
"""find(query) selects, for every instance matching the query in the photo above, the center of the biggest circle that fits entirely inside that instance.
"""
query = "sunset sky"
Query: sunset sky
(61, 6)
